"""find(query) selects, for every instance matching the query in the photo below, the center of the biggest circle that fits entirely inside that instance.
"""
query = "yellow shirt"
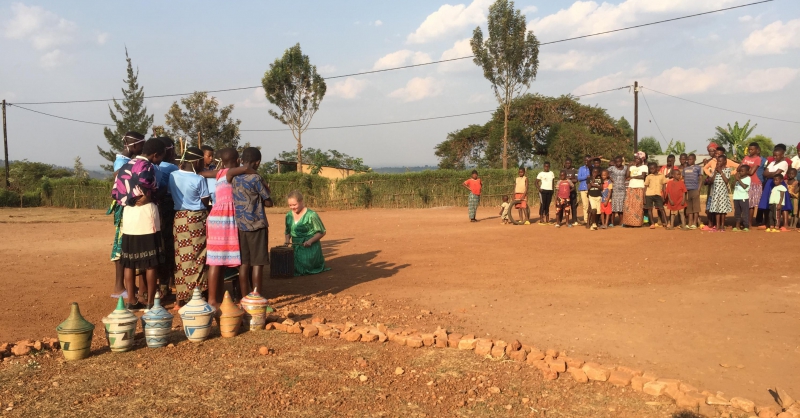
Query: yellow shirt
(654, 184)
(520, 185)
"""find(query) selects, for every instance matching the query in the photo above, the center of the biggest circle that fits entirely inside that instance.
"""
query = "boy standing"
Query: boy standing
(594, 192)
(741, 199)
(474, 185)
(654, 188)
(544, 182)
(676, 198)
(250, 196)
(563, 207)
(521, 196)
(776, 199)
(691, 178)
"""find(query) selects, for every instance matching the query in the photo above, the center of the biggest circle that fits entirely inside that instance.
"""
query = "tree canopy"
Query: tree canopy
(650, 145)
(293, 85)
(202, 115)
(26, 175)
(318, 158)
(132, 116)
(553, 127)
(509, 58)
(734, 138)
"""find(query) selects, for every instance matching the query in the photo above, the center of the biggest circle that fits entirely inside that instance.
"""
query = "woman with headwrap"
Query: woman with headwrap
(190, 194)
(634, 195)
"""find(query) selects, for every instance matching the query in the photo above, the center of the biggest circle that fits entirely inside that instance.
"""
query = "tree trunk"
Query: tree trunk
(505, 137)
(299, 152)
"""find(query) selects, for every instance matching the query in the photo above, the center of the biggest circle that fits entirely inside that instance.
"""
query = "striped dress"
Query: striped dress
(223, 235)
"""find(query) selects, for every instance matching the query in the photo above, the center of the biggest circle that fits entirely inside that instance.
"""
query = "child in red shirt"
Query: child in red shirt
(676, 198)
(562, 199)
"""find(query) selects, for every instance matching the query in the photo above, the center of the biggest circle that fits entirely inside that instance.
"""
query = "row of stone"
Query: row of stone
(25, 347)
(551, 363)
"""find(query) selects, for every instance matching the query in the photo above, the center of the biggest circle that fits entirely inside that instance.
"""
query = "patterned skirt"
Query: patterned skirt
(618, 200)
(142, 251)
(223, 237)
(754, 194)
(474, 201)
(190, 252)
(634, 201)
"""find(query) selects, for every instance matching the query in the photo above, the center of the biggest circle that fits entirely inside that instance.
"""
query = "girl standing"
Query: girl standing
(720, 202)
(474, 185)
(142, 246)
(777, 165)
(617, 174)
(521, 196)
(634, 196)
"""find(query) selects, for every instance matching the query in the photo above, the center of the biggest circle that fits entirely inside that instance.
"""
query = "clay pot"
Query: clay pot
(75, 335)
(196, 316)
(255, 311)
(157, 324)
(120, 328)
(230, 319)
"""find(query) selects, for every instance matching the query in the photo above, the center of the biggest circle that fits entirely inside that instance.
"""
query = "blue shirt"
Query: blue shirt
(163, 172)
(583, 174)
(691, 177)
(212, 188)
(249, 194)
(121, 160)
(760, 170)
(187, 189)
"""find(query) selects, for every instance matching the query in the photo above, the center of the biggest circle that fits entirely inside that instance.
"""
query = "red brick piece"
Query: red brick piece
(673, 387)
(559, 366)
(440, 342)
(637, 383)
(654, 388)
(483, 347)
(310, 331)
(414, 341)
(595, 371)
(549, 374)
(499, 349)
(520, 356)
(428, 340)
(453, 339)
(690, 400)
(351, 336)
(618, 378)
(578, 375)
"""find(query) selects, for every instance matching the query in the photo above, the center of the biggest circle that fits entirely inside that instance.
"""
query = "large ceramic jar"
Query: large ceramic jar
(75, 335)
(230, 319)
(255, 310)
(120, 328)
(196, 316)
(157, 324)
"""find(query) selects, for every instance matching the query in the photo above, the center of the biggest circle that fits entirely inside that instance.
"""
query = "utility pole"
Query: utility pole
(5, 144)
(635, 116)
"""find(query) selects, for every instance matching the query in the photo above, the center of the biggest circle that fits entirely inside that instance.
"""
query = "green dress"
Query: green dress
(306, 260)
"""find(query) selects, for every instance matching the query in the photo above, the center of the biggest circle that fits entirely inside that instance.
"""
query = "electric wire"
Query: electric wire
(432, 62)
(722, 108)
(56, 116)
(653, 116)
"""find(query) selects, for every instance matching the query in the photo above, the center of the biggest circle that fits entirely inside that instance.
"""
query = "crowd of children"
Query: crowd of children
(761, 192)
(169, 231)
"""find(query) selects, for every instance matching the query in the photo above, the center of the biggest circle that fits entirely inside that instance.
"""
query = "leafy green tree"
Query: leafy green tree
(509, 58)
(765, 144)
(293, 85)
(132, 116)
(735, 139)
(625, 127)
(318, 158)
(78, 171)
(202, 115)
(650, 145)
(677, 148)
(26, 175)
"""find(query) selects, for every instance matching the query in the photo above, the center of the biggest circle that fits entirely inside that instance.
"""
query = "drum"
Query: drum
(281, 262)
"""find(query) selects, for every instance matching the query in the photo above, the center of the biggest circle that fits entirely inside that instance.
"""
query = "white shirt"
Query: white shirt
(546, 178)
(783, 165)
(637, 171)
(796, 162)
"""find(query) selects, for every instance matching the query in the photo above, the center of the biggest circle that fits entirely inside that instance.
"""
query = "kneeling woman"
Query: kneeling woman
(304, 229)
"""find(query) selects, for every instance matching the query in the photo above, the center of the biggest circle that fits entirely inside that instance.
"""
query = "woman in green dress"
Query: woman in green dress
(304, 229)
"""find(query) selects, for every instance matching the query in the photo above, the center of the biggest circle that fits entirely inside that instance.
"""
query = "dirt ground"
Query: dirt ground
(717, 310)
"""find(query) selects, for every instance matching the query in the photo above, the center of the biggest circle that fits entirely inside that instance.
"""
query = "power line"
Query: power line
(653, 116)
(722, 108)
(428, 63)
(326, 127)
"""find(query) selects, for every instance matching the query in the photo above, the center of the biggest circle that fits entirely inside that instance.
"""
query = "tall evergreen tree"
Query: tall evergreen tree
(132, 116)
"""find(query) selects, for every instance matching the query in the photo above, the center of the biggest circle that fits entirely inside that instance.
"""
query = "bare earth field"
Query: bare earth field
(718, 310)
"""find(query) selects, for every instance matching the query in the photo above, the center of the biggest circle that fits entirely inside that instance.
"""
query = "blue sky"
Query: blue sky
(746, 59)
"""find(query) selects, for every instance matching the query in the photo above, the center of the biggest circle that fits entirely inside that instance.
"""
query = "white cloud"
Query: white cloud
(399, 58)
(256, 99)
(418, 88)
(775, 38)
(585, 17)
(326, 69)
(102, 38)
(348, 88)
(449, 19)
(54, 58)
(529, 9)
(745, 18)
(42, 28)
(571, 60)
(460, 49)
(720, 79)
(376, 23)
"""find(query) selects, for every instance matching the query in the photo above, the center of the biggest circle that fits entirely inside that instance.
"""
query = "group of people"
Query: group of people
(761, 192)
(182, 223)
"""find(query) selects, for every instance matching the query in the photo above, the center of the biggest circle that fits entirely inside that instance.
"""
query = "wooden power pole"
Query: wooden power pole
(635, 116)
(5, 144)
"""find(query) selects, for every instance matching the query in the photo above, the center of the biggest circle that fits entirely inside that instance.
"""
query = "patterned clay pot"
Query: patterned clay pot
(196, 316)
(120, 328)
(255, 311)
(157, 324)
(75, 335)
(230, 319)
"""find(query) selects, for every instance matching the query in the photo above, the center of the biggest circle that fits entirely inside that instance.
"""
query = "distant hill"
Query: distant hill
(396, 170)
(94, 172)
